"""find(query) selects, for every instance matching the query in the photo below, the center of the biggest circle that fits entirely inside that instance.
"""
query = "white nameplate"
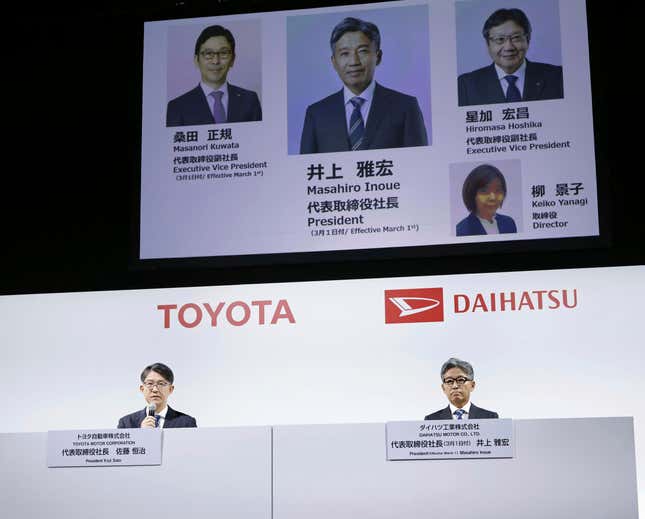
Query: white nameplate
(449, 439)
(104, 447)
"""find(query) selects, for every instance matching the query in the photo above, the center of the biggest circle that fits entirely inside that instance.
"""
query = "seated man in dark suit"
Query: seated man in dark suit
(214, 101)
(458, 381)
(363, 115)
(511, 77)
(156, 386)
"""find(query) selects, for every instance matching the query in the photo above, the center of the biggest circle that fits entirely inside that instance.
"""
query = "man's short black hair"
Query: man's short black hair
(480, 177)
(507, 15)
(350, 24)
(211, 32)
(160, 368)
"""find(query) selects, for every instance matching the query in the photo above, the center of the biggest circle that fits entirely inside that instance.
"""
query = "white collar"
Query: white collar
(520, 72)
(366, 94)
(465, 408)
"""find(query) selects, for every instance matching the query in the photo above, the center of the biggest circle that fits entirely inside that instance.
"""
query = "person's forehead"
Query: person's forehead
(454, 372)
(509, 26)
(353, 39)
(216, 43)
(153, 375)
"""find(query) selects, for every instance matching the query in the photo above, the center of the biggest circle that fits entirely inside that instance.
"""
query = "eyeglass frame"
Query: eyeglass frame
(223, 55)
(162, 384)
(513, 38)
(453, 380)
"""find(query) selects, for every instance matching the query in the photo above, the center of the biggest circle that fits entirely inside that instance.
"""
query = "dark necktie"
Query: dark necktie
(157, 419)
(512, 92)
(459, 413)
(356, 126)
(218, 108)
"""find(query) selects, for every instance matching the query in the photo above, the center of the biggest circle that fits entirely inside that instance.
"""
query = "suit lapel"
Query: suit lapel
(170, 416)
(446, 414)
(203, 105)
(377, 113)
(336, 127)
(492, 87)
(533, 85)
(234, 105)
(476, 224)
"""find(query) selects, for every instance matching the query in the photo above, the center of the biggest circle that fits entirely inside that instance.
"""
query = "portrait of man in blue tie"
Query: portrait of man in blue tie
(457, 383)
(511, 77)
(363, 115)
(156, 387)
(214, 100)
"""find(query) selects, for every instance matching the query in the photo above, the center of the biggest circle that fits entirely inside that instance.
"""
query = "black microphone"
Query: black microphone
(150, 410)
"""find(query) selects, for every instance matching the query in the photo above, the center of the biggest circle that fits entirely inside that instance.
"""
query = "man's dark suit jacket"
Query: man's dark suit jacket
(173, 419)
(476, 413)
(394, 121)
(471, 226)
(482, 86)
(192, 107)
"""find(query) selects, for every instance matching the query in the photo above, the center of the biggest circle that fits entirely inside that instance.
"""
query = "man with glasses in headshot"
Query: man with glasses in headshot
(457, 383)
(214, 100)
(156, 386)
(511, 78)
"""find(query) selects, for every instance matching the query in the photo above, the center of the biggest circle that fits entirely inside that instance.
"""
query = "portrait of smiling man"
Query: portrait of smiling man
(214, 100)
(156, 386)
(511, 78)
(457, 383)
(363, 115)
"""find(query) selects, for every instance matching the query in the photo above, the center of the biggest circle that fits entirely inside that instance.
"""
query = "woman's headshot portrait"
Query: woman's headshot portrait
(483, 193)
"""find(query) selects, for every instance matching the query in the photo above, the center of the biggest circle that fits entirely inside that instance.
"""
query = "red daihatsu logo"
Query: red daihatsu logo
(414, 305)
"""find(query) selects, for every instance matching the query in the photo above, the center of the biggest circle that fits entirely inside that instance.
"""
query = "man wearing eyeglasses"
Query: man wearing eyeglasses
(156, 386)
(511, 77)
(214, 100)
(458, 382)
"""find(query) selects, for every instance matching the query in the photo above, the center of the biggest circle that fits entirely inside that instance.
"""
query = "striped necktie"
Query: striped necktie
(356, 126)
(459, 413)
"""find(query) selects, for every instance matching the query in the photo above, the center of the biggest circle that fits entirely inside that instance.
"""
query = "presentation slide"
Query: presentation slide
(395, 124)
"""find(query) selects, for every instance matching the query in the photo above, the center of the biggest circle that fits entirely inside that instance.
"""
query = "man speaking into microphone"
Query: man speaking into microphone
(156, 386)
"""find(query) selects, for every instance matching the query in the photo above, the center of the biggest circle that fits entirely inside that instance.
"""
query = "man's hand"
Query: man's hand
(148, 422)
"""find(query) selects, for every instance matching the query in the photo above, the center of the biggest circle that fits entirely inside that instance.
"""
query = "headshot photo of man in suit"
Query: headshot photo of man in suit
(156, 386)
(511, 78)
(457, 383)
(363, 115)
(214, 100)
(483, 193)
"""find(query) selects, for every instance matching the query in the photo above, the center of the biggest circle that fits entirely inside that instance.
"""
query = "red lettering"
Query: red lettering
(260, 305)
(182, 315)
(503, 300)
(565, 298)
(166, 313)
(283, 311)
(215, 313)
(539, 294)
(457, 298)
(245, 310)
(554, 299)
(525, 300)
(480, 303)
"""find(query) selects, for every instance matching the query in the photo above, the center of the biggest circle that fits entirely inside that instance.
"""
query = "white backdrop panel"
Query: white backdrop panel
(73, 360)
